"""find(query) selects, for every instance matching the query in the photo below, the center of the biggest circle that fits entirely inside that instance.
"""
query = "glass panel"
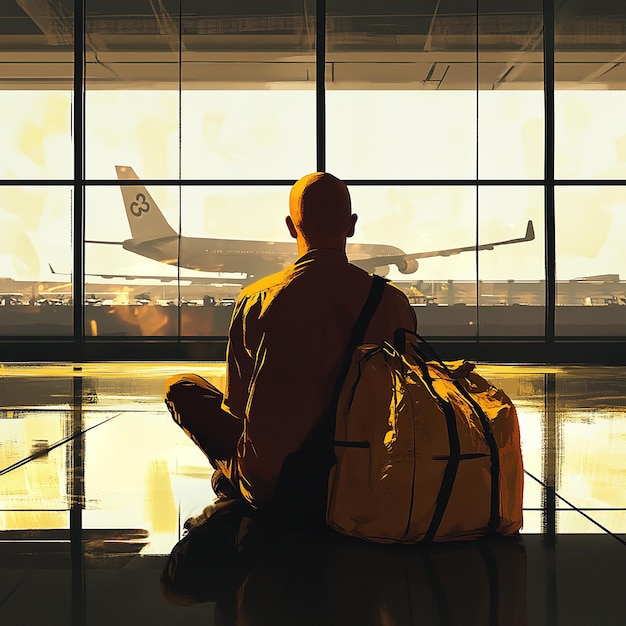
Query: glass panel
(248, 99)
(511, 133)
(590, 76)
(136, 128)
(231, 236)
(36, 78)
(35, 261)
(512, 288)
(510, 79)
(426, 223)
(400, 99)
(122, 271)
(591, 260)
(590, 134)
(249, 133)
(36, 131)
(401, 134)
(132, 80)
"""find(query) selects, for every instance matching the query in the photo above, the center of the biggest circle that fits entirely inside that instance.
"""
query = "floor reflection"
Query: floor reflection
(98, 436)
(257, 574)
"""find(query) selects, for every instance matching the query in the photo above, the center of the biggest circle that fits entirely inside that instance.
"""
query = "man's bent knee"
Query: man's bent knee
(196, 406)
(189, 396)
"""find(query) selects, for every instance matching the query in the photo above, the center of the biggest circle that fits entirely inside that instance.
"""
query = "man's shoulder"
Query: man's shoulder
(305, 284)
(392, 291)
(395, 292)
(267, 283)
(301, 277)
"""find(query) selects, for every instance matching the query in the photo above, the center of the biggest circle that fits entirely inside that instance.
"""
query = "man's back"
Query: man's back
(287, 343)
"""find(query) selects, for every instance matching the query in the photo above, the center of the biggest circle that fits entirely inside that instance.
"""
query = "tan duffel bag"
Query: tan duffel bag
(425, 450)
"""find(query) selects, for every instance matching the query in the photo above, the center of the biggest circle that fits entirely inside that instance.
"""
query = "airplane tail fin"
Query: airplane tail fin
(144, 216)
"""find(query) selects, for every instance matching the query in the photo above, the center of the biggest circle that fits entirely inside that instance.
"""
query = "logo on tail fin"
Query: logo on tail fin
(140, 205)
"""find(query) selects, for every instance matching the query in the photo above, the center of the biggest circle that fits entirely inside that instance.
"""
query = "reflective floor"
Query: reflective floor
(96, 482)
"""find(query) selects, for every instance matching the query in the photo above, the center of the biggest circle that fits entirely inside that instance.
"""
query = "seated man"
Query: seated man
(287, 343)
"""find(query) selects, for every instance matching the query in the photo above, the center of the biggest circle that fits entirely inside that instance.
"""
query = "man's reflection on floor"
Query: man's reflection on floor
(259, 574)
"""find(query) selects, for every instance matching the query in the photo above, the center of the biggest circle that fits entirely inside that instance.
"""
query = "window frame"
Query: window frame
(548, 349)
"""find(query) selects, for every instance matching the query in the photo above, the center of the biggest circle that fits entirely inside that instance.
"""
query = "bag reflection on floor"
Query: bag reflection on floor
(261, 574)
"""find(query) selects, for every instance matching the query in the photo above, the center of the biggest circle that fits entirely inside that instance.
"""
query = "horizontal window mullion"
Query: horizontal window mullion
(194, 182)
(263, 182)
(400, 182)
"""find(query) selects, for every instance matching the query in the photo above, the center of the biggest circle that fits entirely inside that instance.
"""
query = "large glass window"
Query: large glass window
(149, 148)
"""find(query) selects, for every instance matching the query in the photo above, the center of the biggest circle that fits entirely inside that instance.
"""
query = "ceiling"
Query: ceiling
(370, 44)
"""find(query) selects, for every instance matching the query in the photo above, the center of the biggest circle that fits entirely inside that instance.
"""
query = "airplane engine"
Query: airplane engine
(408, 267)
(382, 270)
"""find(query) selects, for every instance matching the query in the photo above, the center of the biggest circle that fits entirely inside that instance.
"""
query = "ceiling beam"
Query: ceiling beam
(51, 19)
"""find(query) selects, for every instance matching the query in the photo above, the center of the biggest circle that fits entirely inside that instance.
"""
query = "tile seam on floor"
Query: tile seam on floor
(61, 442)
(12, 591)
(580, 511)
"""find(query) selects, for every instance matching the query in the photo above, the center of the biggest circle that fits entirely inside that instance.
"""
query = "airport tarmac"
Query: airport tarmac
(593, 306)
(434, 320)
(96, 482)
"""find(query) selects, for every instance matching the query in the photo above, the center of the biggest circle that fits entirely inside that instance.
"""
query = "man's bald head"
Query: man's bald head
(320, 212)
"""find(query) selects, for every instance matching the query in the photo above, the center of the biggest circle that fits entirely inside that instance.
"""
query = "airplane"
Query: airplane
(154, 238)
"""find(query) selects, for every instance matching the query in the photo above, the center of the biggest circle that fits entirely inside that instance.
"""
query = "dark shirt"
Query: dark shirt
(287, 342)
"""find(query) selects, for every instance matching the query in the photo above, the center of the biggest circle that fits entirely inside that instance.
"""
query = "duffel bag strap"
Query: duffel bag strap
(372, 301)
(427, 353)
(360, 326)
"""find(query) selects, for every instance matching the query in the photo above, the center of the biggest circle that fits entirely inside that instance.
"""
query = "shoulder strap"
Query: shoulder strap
(372, 301)
(367, 312)
(301, 491)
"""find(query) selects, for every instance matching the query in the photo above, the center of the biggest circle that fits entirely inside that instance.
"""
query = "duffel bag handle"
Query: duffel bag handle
(426, 352)
(423, 349)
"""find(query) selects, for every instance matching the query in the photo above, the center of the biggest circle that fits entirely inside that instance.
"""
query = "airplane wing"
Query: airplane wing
(402, 261)
(107, 243)
(194, 280)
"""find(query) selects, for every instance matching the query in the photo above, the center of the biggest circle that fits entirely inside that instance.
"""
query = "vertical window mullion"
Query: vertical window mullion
(78, 217)
(550, 230)
(180, 168)
(477, 191)
(320, 84)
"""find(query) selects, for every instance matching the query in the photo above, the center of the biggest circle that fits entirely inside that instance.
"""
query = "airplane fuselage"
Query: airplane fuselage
(253, 258)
